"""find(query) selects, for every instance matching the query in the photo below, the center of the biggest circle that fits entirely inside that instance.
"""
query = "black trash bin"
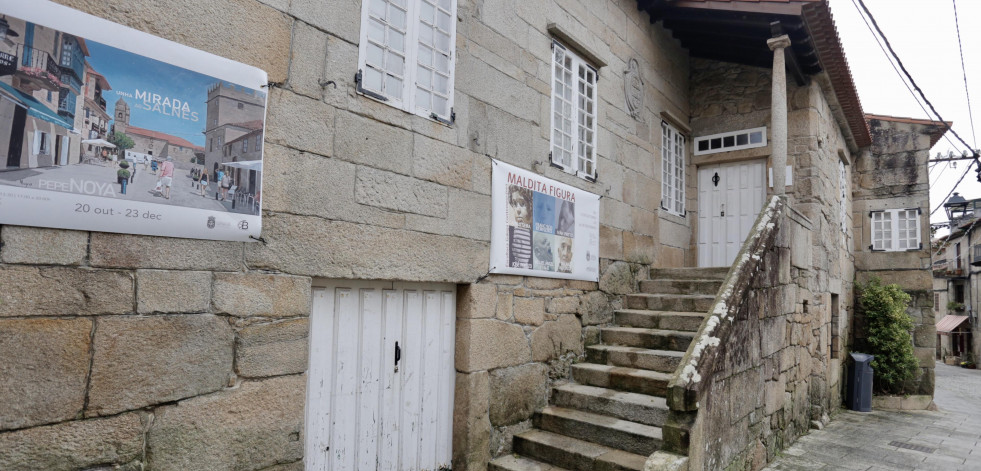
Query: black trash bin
(860, 383)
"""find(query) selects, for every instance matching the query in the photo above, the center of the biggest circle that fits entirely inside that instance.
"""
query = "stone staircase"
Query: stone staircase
(610, 418)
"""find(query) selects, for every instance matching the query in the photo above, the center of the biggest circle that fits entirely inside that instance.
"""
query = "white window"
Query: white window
(406, 55)
(728, 141)
(672, 170)
(257, 140)
(896, 230)
(843, 190)
(245, 145)
(573, 113)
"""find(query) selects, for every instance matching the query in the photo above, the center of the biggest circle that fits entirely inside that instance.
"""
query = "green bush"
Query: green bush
(888, 334)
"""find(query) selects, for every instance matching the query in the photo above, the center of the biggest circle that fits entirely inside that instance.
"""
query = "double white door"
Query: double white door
(381, 377)
(730, 197)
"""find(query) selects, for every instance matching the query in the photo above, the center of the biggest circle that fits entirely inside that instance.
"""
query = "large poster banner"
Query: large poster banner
(106, 128)
(541, 227)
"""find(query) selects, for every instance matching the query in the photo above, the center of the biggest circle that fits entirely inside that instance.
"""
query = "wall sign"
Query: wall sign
(541, 227)
(105, 128)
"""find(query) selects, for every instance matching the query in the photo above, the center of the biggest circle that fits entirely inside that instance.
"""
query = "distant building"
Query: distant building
(41, 72)
(155, 143)
(232, 113)
(245, 148)
(95, 124)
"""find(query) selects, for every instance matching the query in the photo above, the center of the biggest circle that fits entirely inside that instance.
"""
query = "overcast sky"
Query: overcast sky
(924, 35)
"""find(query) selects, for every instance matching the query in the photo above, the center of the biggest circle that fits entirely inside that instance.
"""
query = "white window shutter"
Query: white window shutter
(573, 113)
(36, 146)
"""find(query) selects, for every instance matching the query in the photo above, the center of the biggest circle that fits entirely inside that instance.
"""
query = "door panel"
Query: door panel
(362, 412)
(727, 209)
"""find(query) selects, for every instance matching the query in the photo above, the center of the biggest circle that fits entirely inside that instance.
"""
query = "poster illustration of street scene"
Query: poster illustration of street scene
(106, 128)
(541, 227)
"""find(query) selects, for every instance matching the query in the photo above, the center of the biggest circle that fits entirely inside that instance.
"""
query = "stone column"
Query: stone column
(778, 114)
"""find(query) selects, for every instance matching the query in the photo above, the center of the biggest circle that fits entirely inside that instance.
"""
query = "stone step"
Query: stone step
(665, 320)
(670, 302)
(640, 408)
(520, 463)
(647, 338)
(665, 361)
(574, 454)
(621, 378)
(604, 430)
(710, 287)
(689, 273)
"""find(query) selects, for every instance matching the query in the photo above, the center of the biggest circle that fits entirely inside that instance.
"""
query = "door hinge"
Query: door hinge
(447, 122)
(361, 89)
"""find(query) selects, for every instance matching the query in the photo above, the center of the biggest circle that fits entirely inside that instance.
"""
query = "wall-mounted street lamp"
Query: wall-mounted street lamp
(956, 208)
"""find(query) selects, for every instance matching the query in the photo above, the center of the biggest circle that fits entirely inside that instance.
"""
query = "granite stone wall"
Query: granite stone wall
(167, 353)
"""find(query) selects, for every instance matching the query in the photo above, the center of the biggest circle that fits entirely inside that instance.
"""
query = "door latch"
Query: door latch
(723, 210)
(398, 356)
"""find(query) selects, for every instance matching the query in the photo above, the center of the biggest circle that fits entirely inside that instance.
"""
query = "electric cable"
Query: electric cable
(913, 82)
(967, 93)
(955, 186)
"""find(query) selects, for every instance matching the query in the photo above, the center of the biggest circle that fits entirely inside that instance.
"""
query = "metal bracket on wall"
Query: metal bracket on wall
(361, 90)
(447, 122)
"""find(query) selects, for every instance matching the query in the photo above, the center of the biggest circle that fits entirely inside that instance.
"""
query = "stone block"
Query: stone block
(396, 192)
(343, 19)
(489, 85)
(300, 122)
(172, 291)
(529, 311)
(671, 257)
(518, 392)
(477, 301)
(253, 426)
(80, 444)
(58, 291)
(925, 335)
(443, 163)
(374, 144)
(275, 349)
(564, 305)
(471, 425)
(619, 278)
(638, 248)
(505, 307)
(556, 338)
(42, 246)
(262, 295)
(308, 59)
(468, 215)
(166, 253)
(596, 308)
(141, 361)
(483, 344)
(293, 182)
(611, 242)
(44, 369)
(333, 249)
(240, 30)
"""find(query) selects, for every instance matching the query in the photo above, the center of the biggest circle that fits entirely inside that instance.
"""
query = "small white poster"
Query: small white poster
(106, 128)
(541, 227)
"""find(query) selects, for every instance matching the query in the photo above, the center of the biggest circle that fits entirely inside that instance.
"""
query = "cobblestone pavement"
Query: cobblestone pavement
(948, 439)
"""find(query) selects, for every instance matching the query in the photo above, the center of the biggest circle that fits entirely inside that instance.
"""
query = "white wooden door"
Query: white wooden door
(730, 197)
(362, 413)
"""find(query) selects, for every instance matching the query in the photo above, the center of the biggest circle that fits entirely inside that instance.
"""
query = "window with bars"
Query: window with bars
(573, 140)
(672, 170)
(896, 230)
(406, 55)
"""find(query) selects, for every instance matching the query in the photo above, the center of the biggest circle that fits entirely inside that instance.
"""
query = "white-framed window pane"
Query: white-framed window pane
(400, 56)
(672, 169)
(896, 229)
(573, 113)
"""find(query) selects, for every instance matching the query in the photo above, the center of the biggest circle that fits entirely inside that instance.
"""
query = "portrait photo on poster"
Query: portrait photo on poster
(541, 227)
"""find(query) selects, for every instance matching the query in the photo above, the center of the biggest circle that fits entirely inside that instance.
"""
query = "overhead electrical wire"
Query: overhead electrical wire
(889, 58)
(913, 82)
(955, 186)
(960, 46)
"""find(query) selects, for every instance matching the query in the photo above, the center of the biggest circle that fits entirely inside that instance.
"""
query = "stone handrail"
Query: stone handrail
(699, 363)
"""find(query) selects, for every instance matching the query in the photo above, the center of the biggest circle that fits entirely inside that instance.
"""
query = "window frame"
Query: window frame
(879, 242)
(581, 161)
(410, 74)
(678, 152)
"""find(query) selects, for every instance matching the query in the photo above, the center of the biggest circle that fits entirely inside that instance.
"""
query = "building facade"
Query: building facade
(157, 144)
(380, 135)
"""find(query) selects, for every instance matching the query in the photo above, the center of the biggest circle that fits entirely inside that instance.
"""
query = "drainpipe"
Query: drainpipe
(778, 114)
